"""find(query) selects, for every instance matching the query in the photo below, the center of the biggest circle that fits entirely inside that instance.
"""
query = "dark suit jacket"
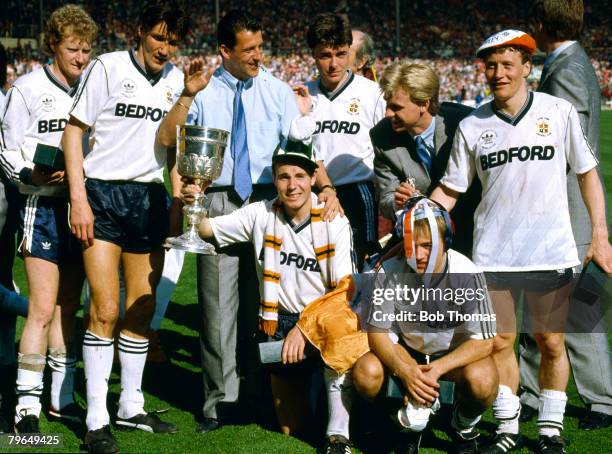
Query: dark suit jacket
(572, 77)
(395, 160)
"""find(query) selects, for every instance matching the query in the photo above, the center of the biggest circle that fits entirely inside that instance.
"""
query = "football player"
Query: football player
(35, 115)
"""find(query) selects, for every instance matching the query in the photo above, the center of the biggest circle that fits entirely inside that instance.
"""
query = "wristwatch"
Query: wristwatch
(325, 186)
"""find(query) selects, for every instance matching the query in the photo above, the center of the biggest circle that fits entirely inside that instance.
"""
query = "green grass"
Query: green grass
(177, 385)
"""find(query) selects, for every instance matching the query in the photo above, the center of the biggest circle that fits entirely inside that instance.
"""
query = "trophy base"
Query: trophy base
(190, 243)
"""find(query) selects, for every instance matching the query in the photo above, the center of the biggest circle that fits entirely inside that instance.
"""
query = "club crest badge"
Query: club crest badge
(543, 127)
(353, 107)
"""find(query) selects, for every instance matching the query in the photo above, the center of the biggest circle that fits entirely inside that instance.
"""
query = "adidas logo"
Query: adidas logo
(46, 245)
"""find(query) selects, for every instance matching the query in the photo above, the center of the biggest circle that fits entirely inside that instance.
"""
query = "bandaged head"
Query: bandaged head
(417, 209)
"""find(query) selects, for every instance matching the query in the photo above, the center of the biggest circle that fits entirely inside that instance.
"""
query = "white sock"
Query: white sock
(98, 355)
(507, 409)
(132, 356)
(29, 384)
(339, 399)
(63, 365)
(551, 406)
(463, 423)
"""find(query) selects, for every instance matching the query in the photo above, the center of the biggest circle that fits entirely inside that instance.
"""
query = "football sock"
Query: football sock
(132, 356)
(62, 362)
(98, 355)
(29, 384)
(551, 410)
(506, 409)
(463, 423)
(339, 399)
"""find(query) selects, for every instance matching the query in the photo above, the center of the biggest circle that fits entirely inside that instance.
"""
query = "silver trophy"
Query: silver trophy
(199, 156)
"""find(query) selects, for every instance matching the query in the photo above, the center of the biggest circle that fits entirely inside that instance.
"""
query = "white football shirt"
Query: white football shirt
(463, 319)
(35, 112)
(301, 282)
(522, 222)
(124, 106)
(340, 125)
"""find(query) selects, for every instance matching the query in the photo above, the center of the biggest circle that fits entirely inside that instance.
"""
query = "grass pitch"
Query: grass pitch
(177, 385)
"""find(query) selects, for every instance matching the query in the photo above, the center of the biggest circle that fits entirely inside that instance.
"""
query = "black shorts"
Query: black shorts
(286, 322)
(359, 203)
(131, 215)
(530, 281)
(44, 231)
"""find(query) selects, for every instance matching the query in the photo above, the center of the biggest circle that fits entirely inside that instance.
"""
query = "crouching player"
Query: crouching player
(420, 353)
(300, 258)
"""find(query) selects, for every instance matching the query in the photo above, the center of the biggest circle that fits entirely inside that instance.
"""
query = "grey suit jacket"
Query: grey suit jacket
(572, 77)
(395, 160)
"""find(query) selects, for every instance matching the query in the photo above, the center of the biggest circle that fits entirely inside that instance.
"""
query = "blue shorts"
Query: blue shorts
(131, 215)
(44, 231)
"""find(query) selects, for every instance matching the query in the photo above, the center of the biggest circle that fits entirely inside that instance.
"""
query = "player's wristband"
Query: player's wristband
(182, 105)
(325, 186)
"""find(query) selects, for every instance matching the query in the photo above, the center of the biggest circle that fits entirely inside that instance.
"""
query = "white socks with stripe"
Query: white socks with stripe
(29, 384)
(63, 366)
(339, 399)
(133, 356)
(98, 355)
(551, 407)
(507, 409)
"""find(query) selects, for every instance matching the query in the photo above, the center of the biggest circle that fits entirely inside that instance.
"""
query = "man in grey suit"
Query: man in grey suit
(568, 74)
(413, 142)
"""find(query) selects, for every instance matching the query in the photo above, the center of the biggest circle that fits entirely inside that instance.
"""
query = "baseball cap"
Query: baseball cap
(295, 152)
(508, 38)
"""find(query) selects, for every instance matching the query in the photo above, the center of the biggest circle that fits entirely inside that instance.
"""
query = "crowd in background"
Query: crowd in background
(448, 45)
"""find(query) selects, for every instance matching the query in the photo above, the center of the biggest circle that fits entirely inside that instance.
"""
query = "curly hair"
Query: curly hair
(69, 20)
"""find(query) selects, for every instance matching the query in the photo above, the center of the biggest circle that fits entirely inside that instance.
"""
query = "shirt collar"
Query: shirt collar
(232, 81)
(152, 78)
(428, 134)
(341, 86)
(555, 53)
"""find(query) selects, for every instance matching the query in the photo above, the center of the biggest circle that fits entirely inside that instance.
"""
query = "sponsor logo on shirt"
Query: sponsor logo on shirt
(53, 125)
(296, 261)
(522, 154)
(138, 111)
(337, 127)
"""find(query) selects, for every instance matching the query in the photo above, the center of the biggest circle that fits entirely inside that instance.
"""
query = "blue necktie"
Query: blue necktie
(423, 153)
(243, 184)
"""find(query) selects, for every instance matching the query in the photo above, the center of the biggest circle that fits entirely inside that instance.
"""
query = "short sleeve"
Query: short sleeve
(92, 95)
(238, 226)
(579, 154)
(461, 167)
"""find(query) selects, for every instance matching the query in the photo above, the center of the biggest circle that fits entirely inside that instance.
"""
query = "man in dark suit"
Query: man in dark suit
(568, 74)
(413, 142)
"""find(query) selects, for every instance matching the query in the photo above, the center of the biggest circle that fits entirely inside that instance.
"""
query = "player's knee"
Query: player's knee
(551, 345)
(483, 382)
(104, 313)
(368, 375)
(503, 341)
(142, 308)
(41, 314)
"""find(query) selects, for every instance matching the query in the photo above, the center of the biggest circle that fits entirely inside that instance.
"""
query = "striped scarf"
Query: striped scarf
(273, 242)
